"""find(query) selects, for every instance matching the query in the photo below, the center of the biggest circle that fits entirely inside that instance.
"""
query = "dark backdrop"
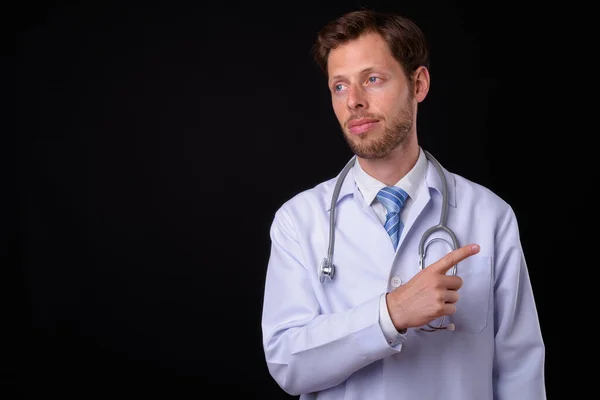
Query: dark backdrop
(140, 125)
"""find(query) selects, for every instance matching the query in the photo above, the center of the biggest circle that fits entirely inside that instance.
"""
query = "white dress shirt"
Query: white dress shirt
(368, 186)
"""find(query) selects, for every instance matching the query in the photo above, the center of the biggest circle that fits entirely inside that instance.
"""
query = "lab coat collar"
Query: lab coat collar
(348, 187)
(432, 180)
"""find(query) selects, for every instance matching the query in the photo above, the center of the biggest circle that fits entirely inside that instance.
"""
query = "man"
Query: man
(378, 326)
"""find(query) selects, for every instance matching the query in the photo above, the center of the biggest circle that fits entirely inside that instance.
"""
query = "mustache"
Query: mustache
(362, 115)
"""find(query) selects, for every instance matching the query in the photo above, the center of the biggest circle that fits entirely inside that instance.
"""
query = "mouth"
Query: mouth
(362, 125)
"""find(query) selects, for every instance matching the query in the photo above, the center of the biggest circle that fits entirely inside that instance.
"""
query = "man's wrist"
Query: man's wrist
(401, 331)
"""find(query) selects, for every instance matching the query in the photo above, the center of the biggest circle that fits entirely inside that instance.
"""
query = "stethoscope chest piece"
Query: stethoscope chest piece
(326, 270)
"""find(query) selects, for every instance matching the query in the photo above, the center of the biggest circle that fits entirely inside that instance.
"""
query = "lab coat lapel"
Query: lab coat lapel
(420, 202)
(371, 232)
(432, 181)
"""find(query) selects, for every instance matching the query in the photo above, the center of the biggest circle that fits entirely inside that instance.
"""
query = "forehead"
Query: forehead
(369, 51)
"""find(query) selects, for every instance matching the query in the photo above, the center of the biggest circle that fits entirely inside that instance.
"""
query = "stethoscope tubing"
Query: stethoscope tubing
(327, 268)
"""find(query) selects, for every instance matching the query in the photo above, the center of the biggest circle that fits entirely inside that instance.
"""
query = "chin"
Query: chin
(365, 136)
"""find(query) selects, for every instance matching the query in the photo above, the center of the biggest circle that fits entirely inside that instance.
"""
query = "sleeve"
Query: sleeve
(308, 351)
(387, 326)
(519, 346)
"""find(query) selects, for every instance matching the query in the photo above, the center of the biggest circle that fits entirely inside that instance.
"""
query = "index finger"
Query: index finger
(454, 257)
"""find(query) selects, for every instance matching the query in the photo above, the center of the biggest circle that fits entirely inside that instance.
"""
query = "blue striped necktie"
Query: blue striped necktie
(393, 198)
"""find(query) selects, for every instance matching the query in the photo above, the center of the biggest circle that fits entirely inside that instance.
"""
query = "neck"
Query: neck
(393, 167)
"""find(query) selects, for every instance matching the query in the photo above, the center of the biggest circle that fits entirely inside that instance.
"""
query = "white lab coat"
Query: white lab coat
(324, 340)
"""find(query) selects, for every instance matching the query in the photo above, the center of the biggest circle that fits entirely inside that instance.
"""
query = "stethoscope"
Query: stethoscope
(327, 268)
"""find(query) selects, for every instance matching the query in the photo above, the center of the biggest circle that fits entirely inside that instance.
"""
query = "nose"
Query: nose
(356, 98)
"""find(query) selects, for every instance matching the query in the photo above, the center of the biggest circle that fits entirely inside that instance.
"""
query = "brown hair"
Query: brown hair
(404, 38)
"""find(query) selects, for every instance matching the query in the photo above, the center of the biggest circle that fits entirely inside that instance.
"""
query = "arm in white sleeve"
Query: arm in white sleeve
(393, 337)
(306, 350)
(520, 351)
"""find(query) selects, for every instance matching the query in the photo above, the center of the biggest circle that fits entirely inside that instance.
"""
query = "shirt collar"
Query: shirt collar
(358, 182)
(410, 183)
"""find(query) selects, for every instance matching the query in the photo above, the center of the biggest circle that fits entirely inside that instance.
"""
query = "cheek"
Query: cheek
(393, 104)
(393, 98)
(339, 111)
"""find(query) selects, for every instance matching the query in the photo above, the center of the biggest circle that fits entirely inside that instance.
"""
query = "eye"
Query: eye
(338, 87)
(373, 79)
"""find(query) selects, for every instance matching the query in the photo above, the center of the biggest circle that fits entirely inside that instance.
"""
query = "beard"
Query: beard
(392, 136)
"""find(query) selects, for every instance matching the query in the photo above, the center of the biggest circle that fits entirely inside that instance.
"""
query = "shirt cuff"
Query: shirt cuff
(390, 332)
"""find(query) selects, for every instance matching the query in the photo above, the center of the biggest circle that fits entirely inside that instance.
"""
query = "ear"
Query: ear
(421, 83)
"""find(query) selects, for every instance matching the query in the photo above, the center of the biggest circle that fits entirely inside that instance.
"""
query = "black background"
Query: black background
(138, 270)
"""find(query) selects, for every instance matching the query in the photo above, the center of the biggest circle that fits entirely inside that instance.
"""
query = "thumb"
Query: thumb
(454, 257)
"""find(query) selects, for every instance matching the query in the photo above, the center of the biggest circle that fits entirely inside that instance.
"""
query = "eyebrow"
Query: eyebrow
(366, 70)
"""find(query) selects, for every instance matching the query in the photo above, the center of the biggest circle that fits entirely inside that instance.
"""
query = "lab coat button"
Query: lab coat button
(396, 281)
